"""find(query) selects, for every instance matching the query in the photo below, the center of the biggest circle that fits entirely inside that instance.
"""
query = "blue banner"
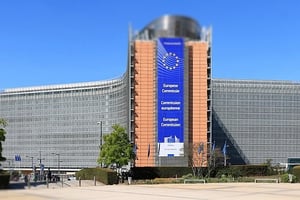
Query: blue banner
(170, 96)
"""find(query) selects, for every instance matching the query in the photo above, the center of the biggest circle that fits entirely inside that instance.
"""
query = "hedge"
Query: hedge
(296, 172)
(104, 175)
(169, 172)
(249, 170)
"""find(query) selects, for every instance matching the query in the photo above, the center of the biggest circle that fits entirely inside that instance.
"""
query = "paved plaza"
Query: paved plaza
(224, 191)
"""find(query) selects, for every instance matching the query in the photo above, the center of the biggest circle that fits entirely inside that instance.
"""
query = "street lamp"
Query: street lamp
(58, 161)
(100, 146)
(41, 166)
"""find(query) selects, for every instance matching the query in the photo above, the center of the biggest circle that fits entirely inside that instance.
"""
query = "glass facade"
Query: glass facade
(258, 119)
(62, 125)
(61, 119)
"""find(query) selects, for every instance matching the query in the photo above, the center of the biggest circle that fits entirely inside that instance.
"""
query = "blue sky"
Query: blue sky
(46, 42)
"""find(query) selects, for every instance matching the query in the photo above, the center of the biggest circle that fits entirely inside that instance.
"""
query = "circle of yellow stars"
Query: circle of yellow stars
(168, 56)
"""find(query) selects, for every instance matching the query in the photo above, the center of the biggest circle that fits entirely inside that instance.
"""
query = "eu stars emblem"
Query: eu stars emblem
(170, 61)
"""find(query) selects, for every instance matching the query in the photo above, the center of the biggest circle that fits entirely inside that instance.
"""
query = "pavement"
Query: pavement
(200, 191)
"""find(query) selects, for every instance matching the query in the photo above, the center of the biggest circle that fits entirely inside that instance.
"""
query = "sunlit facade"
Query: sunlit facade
(61, 119)
(173, 111)
(170, 92)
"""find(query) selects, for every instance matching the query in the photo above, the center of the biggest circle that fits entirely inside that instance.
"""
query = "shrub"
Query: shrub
(104, 175)
(188, 176)
(296, 172)
(224, 179)
(245, 179)
(166, 180)
(286, 179)
(243, 170)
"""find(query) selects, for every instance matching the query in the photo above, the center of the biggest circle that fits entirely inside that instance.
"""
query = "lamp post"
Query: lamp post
(41, 166)
(100, 144)
(58, 161)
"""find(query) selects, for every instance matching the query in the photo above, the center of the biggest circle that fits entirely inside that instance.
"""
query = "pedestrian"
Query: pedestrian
(26, 178)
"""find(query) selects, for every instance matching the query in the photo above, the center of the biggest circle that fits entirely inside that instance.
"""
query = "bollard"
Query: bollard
(47, 182)
(62, 181)
(94, 180)
(79, 181)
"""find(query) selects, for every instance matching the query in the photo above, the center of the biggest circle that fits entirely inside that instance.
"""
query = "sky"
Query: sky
(45, 42)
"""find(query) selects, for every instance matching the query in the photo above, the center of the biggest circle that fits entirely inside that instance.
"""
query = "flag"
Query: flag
(17, 158)
(148, 150)
(224, 148)
(200, 148)
(213, 146)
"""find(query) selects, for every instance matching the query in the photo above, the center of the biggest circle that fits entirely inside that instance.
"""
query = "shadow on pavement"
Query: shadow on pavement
(23, 185)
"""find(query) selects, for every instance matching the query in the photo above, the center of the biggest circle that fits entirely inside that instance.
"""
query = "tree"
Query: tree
(3, 123)
(116, 150)
(198, 159)
(203, 160)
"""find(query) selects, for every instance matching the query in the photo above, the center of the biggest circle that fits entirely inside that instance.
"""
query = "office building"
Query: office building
(61, 125)
(258, 119)
(170, 80)
(173, 111)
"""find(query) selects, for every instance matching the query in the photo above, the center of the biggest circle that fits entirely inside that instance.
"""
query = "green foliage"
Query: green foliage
(286, 179)
(104, 175)
(3, 123)
(296, 172)
(230, 179)
(270, 169)
(117, 149)
(230, 173)
(4, 179)
(164, 181)
(188, 176)
(243, 170)
(226, 178)
(245, 179)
